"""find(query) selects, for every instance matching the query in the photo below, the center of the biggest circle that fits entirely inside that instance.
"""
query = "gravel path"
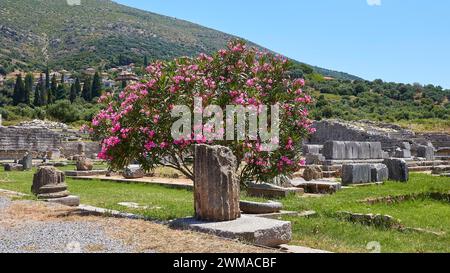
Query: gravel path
(38, 227)
(49, 237)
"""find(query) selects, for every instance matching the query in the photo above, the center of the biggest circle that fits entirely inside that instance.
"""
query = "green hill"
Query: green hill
(98, 33)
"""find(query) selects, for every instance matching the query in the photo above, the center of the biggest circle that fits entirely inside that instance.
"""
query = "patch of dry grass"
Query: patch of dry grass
(145, 236)
(142, 236)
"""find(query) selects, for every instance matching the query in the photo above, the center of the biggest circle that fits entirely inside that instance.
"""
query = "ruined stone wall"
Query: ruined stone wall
(15, 141)
(390, 136)
(439, 140)
(91, 149)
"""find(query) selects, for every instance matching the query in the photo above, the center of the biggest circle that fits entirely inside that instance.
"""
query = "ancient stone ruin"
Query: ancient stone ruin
(216, 185)
(217, 205)
(133, 172)
(42, 139)
(364, 173)
(337, 143)
(49, 185)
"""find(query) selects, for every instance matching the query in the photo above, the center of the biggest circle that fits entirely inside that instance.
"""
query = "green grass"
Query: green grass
(163, 203)
(323, 231)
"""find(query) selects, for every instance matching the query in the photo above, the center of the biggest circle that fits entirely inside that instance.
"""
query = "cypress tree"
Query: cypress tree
(53, 90)
(43, 93)
(19, 91)
(61, 92)
(145, 61)
(96, 90)
(37, 95)
(47, 78)
(86, 93)
(28, 88)
(77, 87)
(73, 93)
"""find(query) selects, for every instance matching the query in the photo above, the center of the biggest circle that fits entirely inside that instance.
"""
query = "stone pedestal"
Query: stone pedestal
(49, 185)
(216, 187)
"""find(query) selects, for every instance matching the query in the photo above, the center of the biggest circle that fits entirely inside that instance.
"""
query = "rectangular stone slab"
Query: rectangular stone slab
(85, 173)
(356, 174)
(254, 230)
(274, 193)
(352, 150)
(319, 186)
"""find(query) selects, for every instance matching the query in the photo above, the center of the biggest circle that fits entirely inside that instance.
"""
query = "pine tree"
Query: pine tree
(73, 93)
(87, 92)
(19, 91)
(77, 87)
(28, 88)
(96, 86)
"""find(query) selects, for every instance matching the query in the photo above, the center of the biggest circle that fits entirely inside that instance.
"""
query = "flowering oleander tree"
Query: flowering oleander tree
(136, 124)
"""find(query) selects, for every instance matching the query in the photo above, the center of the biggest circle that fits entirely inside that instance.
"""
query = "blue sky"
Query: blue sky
(395, 40)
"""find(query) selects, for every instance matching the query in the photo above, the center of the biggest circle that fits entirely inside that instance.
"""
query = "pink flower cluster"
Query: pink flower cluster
(140, 121)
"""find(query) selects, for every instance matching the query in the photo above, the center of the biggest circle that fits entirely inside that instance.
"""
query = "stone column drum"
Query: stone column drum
(49, 185)
(216, 187)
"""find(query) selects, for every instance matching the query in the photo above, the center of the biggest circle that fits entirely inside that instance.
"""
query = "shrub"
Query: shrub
(137, 125)
(63, 111)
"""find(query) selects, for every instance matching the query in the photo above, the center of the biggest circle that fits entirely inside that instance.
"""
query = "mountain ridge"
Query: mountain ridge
(101, 33)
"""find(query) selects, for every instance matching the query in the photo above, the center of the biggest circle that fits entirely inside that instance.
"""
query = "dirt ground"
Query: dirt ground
(132, 235)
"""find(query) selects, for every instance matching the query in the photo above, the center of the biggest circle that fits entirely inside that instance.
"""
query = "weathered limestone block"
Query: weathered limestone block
(356, 174)
(216, 186)
(260, 208)
(312, 173)
(406, 146)
(312, 149)
(84, 164)
(27, 162)
(249, 229)
(54, 154)
(402, 153)
(440, 169)
(13, 167)
(379, 173)
(133, 172)
(398, 169)
(272, 191)
(347, 150)
(318, 187)
(426, 152)
(314, 159)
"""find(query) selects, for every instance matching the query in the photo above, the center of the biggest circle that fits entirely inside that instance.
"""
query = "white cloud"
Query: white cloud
(374, 2)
